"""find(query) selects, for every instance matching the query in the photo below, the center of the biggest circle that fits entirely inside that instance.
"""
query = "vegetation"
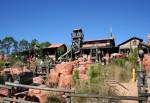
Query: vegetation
(94, 85)
(8, 44)
(119, 70)
(133, 58)
(23, 45)
(15, 49)
(53, 99)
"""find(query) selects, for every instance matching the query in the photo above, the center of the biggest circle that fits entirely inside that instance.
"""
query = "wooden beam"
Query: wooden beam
(5, 86)
(106, 97)
(6, 99)
(40, 88)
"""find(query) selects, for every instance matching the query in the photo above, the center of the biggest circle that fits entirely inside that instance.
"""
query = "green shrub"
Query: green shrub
(96, 73)
(120, 62)
(2, 64)
(75, 77)
(53, 99)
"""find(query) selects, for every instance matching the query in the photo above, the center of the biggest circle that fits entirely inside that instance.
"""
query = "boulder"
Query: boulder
(53, 76)
(38, 80)
(82, 69)
(40, 94)
(65, 81)
(64, 68)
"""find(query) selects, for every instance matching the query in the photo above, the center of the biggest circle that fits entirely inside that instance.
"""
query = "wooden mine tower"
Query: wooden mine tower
(77, 40)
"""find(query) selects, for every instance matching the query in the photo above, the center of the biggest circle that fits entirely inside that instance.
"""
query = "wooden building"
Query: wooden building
(55, 50)
(146, 48)
(129, 44)
(96, 49)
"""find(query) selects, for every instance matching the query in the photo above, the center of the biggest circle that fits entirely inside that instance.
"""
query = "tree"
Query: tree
(8, 44)
(1, 47)
(15, 46)
(44, 44)
(34, 43)
(23, 45)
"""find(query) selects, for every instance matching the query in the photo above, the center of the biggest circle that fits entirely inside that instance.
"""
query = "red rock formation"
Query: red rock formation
(38, 80)
(65, 81)
(42, 95)
(146, 62)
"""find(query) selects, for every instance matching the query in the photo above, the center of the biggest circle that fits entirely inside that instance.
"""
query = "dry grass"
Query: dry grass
(94, 85)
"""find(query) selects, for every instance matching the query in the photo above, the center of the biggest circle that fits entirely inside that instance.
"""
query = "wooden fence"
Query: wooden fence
(68, 93)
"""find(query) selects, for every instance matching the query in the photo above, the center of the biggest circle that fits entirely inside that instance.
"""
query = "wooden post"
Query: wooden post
(68, 98)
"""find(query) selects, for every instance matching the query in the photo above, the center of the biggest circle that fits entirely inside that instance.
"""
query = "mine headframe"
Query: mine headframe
(77, 40)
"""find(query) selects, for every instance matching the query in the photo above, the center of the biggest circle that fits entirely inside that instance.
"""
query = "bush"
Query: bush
(53, 99)
(2, 64)
(120, 62)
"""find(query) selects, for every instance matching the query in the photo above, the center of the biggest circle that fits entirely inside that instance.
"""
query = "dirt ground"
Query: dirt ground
(131, 90)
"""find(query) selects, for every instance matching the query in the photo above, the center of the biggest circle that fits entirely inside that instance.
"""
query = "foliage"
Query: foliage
(53, 99)
(1, 47)
(75, 77)
(60, 51)
(8, 44)
(23, 45)
(34, 43)
(44, 44)
(94, 85)
(2, 64)
(120, 62)
(133, 56)
(96, 73)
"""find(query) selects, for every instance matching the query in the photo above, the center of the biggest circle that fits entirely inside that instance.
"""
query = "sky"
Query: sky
(54, 20)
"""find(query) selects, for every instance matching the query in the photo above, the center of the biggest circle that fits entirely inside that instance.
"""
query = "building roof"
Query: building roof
(55, 45)
(145, 45)
(101, 43)
(141, 40)
(98, 40)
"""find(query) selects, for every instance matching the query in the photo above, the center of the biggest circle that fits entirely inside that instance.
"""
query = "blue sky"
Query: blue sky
(54, 20)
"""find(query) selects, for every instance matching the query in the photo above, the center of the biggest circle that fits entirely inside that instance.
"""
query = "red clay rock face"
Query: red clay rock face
(146, 62)
(4, 92)
(38, 80)
(64, 68)
(42, 95)
(65, 81)
(62, 73)
(82, 69)
(15, 70)
(53, 76)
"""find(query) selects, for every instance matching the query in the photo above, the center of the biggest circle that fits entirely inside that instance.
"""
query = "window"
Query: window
(93, 52)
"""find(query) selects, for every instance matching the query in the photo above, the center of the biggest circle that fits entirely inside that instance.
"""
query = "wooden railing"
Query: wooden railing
(69, 94)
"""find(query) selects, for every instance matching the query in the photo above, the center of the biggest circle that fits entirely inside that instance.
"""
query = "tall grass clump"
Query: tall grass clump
(95, 84)
(133, 58)
(119, 73)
